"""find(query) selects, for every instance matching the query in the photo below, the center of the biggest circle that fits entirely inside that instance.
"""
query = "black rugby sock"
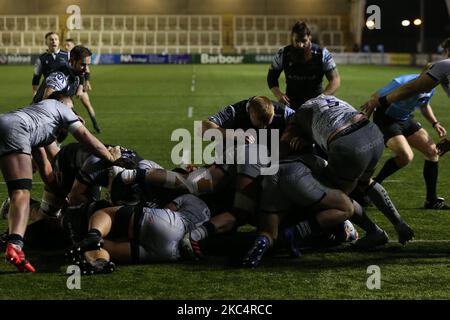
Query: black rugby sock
(389, 168)
(430, 174)
(361, 219)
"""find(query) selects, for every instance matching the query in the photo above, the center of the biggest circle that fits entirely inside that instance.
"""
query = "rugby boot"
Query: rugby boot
(16, 257)
(372, 240)
(405, 233)
(256, 252)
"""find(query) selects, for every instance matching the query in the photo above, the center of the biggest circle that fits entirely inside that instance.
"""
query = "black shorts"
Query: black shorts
(391, 127)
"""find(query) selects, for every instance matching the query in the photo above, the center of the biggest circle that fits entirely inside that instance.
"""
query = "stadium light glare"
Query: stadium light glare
(417, 22)
(370, 24)
(406, 23)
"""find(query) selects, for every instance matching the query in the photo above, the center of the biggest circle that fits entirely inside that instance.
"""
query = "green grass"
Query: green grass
(139, 106)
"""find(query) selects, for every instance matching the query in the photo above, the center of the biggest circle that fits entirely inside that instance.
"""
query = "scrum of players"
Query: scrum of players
(328, 152)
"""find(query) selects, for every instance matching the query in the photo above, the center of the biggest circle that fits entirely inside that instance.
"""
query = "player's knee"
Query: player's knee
(404, 157)
(431, 153)
(344, 204)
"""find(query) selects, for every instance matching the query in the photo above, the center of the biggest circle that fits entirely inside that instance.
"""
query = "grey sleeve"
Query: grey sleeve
(327, 61)
(56, 81)
(224, 118)
(70, 118)
(440, 70)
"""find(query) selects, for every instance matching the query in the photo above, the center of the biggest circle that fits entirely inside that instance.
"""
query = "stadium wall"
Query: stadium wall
(273, 7)
(204, 58)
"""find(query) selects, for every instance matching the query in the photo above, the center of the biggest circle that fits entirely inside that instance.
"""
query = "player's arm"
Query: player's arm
(369, 111)
(80, 91)
(331, 73)
(208, 124)
(222, 120)
(334, 82)
(424, 83)
(45, 168)
(274, 86)
(78, 194)
(48, 92)
(291, 140)
(93, 144)
(428, 114)
(273, 75)
(87, 79)
(36, 76)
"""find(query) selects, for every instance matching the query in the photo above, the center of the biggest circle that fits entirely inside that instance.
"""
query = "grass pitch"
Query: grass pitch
(139, 106)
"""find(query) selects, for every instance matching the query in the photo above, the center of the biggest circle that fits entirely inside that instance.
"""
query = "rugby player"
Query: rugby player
(140, 234)
(65, 80)
(401, 132)
(23, 132)
(304, 64)
(354, 146)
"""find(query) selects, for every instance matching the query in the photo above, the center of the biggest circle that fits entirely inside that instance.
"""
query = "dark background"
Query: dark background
(397, 38)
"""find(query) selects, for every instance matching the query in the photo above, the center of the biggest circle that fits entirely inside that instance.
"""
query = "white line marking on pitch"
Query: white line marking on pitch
(426, 241)
(193, 79)
(190, 111)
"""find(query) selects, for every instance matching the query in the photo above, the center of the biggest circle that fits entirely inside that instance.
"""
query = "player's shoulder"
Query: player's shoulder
(284, 50)
(240, 106)
(63, 54)
(442, 65)
(278, 106)
(53, 103)
(57, 75)
(44, 55)
(316, 49)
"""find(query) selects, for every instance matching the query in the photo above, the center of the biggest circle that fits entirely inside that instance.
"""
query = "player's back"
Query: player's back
(322, 116)
(44, 119)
